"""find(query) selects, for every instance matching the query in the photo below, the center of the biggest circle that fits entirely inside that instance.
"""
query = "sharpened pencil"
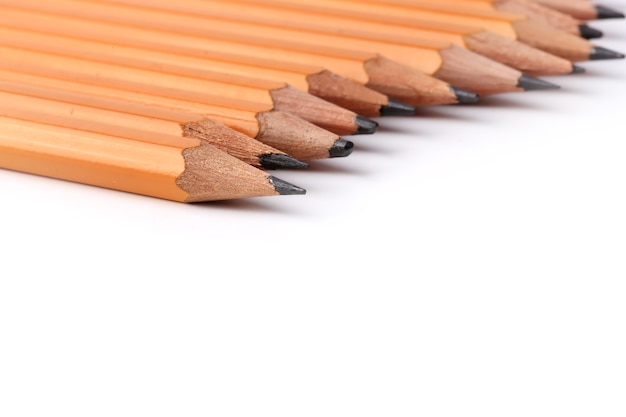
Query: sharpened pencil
(193, 172)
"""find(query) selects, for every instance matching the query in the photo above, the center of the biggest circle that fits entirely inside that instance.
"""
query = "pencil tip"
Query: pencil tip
(341, 148)
(280, 161)
(397, 108)
(577, 70)
(529, 83)
(588, 32)
(465, 96)
(285, 188)
(600, 53)
(607, 13)
(365, 126)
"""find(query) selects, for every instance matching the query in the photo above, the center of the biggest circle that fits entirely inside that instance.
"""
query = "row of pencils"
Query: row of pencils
(203, 100)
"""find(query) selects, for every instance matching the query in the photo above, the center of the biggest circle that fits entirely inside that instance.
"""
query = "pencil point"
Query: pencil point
(397, 108)
(577, 70)
(366, 126)
(588, 32)
(285, 188)
(599, 53)
(607, 13)
(280, 161)
(529, 83)
(465, 96)
(341, 148)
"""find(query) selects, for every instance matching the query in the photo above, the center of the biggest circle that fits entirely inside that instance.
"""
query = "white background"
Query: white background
(466, 262)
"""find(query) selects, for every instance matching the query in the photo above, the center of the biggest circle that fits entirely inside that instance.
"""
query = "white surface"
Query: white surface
(468, 262)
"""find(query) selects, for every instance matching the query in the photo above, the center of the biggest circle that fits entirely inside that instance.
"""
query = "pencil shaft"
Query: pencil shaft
(54, 112)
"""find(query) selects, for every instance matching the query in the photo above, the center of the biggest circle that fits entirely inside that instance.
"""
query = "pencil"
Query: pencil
(273, 95)
(370, 69)
(515, 26)
(583, 9)
(538, 12)
(452, 64)
(193, 172)
(280, 130)
(346, 16)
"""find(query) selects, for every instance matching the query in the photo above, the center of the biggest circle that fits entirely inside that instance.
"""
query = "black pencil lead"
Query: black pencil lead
(280, 161)
(366, 126)
(464, 96)
(397, 108)
(607, 13)
(600, 53)
(285, 188)
(577, 69)
(341, 148)
(588, 32)
(530, 83)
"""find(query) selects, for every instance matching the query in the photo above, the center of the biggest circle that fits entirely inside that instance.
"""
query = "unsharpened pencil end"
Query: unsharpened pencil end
(529, 83)
(588, 32)
(280, 161)
(577, 70)
(464, 96)
(607, 13)
(397, 108)
(285, 188)
(365, 126)
(599, 53)
(341, 148)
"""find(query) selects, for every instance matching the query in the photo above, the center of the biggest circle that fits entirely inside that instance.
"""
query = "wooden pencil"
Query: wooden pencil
(190, 172)
(515, 26)
(346, 16)
(315, 80)
(284, 131)
(84, 112)
(583, 9)
(448, 62)
(273, 95)
(377, 72)
(538, 12)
